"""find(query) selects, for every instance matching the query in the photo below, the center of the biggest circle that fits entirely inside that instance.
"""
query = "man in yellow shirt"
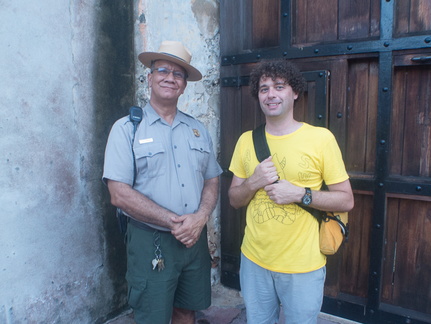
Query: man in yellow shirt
(281, 262)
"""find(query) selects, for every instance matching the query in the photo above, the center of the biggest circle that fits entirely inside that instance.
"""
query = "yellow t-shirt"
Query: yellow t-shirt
(285, 238)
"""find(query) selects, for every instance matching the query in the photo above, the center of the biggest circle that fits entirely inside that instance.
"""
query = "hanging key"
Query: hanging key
(155, 263)
(160, 264)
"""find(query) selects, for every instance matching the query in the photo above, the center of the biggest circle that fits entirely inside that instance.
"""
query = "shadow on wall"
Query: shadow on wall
(114, 87)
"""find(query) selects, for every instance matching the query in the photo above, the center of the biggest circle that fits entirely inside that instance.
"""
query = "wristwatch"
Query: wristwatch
(307, 199)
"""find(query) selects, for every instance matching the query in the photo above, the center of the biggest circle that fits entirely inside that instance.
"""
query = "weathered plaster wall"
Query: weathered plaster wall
(196, 24)
(66, 68)
(68, 72)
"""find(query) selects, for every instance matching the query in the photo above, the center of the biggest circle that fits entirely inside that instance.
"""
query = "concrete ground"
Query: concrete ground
(227, 308)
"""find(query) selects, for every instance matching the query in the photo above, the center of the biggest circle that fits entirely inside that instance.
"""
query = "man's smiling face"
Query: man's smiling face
(166, 87)
(276, 97)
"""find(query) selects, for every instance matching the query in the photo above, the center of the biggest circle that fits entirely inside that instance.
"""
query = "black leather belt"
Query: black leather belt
(144, 226)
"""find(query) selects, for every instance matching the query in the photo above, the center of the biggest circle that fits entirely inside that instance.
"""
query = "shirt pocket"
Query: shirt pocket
(199, 153)
(150, 160)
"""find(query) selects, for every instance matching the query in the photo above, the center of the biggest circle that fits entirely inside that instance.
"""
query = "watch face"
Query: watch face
(306, 200)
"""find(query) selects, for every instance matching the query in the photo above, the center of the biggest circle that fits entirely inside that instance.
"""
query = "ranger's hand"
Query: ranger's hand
(190, 228)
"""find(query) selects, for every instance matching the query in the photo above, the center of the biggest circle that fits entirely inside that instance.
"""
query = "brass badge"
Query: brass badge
(196, 132)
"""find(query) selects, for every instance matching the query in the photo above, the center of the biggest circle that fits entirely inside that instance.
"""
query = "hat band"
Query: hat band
(174, 56)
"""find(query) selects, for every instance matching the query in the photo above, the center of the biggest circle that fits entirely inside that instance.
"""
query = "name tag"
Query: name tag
(145, 140)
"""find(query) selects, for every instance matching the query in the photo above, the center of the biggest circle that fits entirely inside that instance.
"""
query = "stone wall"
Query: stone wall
(69, 70)
(66, 67)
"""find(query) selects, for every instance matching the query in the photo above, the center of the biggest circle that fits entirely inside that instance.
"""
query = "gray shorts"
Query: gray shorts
(300, 294)
(184, 283)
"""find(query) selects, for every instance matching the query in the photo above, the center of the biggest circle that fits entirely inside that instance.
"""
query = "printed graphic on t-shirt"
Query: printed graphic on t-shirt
(265, 210)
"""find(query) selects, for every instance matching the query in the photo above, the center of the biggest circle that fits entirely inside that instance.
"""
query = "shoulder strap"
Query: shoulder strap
(135, 116)
(260, 144)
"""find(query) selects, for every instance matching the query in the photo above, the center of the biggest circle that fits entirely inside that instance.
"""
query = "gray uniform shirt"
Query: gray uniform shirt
(172, 161)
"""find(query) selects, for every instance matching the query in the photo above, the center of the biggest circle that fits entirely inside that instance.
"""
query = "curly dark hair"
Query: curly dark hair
(277, 69)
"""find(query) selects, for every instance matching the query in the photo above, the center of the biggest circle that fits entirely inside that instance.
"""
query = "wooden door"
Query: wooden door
(368, 69)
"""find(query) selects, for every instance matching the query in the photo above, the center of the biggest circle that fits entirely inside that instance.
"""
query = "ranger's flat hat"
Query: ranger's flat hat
(175, 52)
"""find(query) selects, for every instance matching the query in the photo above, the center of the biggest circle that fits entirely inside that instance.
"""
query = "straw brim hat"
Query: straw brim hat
(174, 52)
